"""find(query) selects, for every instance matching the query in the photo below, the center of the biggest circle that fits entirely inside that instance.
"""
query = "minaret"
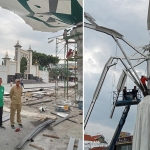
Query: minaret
(37, 68)
(6, 59)
(17, 56)
(6, 62)
(29, 64)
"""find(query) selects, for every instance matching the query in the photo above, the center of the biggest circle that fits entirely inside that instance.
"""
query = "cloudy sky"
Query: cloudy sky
(130, 19)
(13, 28)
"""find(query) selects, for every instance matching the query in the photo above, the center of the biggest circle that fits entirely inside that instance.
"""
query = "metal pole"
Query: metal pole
(64, 71)
(56, 82)
(75, 72)
(133, 47)
(148, 72)
(128, 60)
(67, 71)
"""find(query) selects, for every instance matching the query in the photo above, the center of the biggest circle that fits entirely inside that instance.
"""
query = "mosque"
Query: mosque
(10, 69)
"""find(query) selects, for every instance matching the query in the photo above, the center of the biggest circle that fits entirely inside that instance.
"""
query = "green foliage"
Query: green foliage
(43, 59)
(23, 65)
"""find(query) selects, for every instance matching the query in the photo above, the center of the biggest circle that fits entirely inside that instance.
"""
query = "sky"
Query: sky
(14, 28)
(130, 19)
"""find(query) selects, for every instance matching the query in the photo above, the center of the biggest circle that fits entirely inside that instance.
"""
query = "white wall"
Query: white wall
(3, 73)
(44, 75)
(12, 68)
(33, 70)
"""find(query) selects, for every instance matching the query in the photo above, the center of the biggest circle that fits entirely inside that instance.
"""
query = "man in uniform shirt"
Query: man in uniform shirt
(15, 96)
(1, 103)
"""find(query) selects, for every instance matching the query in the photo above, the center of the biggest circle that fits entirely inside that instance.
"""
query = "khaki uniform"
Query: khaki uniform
(15, 96)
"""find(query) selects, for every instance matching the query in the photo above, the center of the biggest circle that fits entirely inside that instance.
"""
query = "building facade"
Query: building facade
(10, 69)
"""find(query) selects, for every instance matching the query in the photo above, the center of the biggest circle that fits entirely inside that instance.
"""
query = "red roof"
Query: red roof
(88, 138)
(97, 136)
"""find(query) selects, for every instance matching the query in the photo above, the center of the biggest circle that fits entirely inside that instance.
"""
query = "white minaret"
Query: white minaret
(17, 56)
(29, 64)
(6, 61)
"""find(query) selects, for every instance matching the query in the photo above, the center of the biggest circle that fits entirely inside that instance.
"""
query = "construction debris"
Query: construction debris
(80, 145)
(41, 97)
(62, 115)
(43, 108)
(34, 103)
(63, 119)
(35, 115)
(36, 130)
(6, 117)
(52, 136)
(62, 108)
(71, 143)
(35, 146)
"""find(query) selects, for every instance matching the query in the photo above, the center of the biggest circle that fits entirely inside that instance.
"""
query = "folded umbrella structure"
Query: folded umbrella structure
(46, 15)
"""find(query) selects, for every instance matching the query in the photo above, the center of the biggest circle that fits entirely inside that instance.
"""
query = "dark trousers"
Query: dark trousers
(1, 114)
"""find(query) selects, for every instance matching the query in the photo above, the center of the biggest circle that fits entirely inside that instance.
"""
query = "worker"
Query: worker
(143, 80)
(125, 93)
(1, 103)
(69, 54)
(134, 92)
(15, 96)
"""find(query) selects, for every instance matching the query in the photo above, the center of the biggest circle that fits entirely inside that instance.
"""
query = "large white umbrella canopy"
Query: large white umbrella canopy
(46, 15)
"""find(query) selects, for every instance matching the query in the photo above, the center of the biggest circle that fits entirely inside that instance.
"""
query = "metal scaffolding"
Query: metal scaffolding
(68, 63)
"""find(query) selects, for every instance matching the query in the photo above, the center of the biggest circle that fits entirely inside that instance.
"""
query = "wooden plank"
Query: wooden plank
(71, 143)
(80, 145)
(29, 104)
(52, 136)
(35, 146)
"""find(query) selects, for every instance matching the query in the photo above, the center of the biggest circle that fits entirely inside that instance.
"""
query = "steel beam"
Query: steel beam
(108, 31)
(97, 90)
(120, 85)
(133, 47)
(71, 143)
(80, 145)
(5, 118)
(29, 104)
(63, 119)
(32, 133)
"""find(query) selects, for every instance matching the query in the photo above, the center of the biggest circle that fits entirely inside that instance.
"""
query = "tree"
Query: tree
(23, 65)
(43, 59)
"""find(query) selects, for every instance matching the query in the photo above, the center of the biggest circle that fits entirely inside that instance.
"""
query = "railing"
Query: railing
(129, 95)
